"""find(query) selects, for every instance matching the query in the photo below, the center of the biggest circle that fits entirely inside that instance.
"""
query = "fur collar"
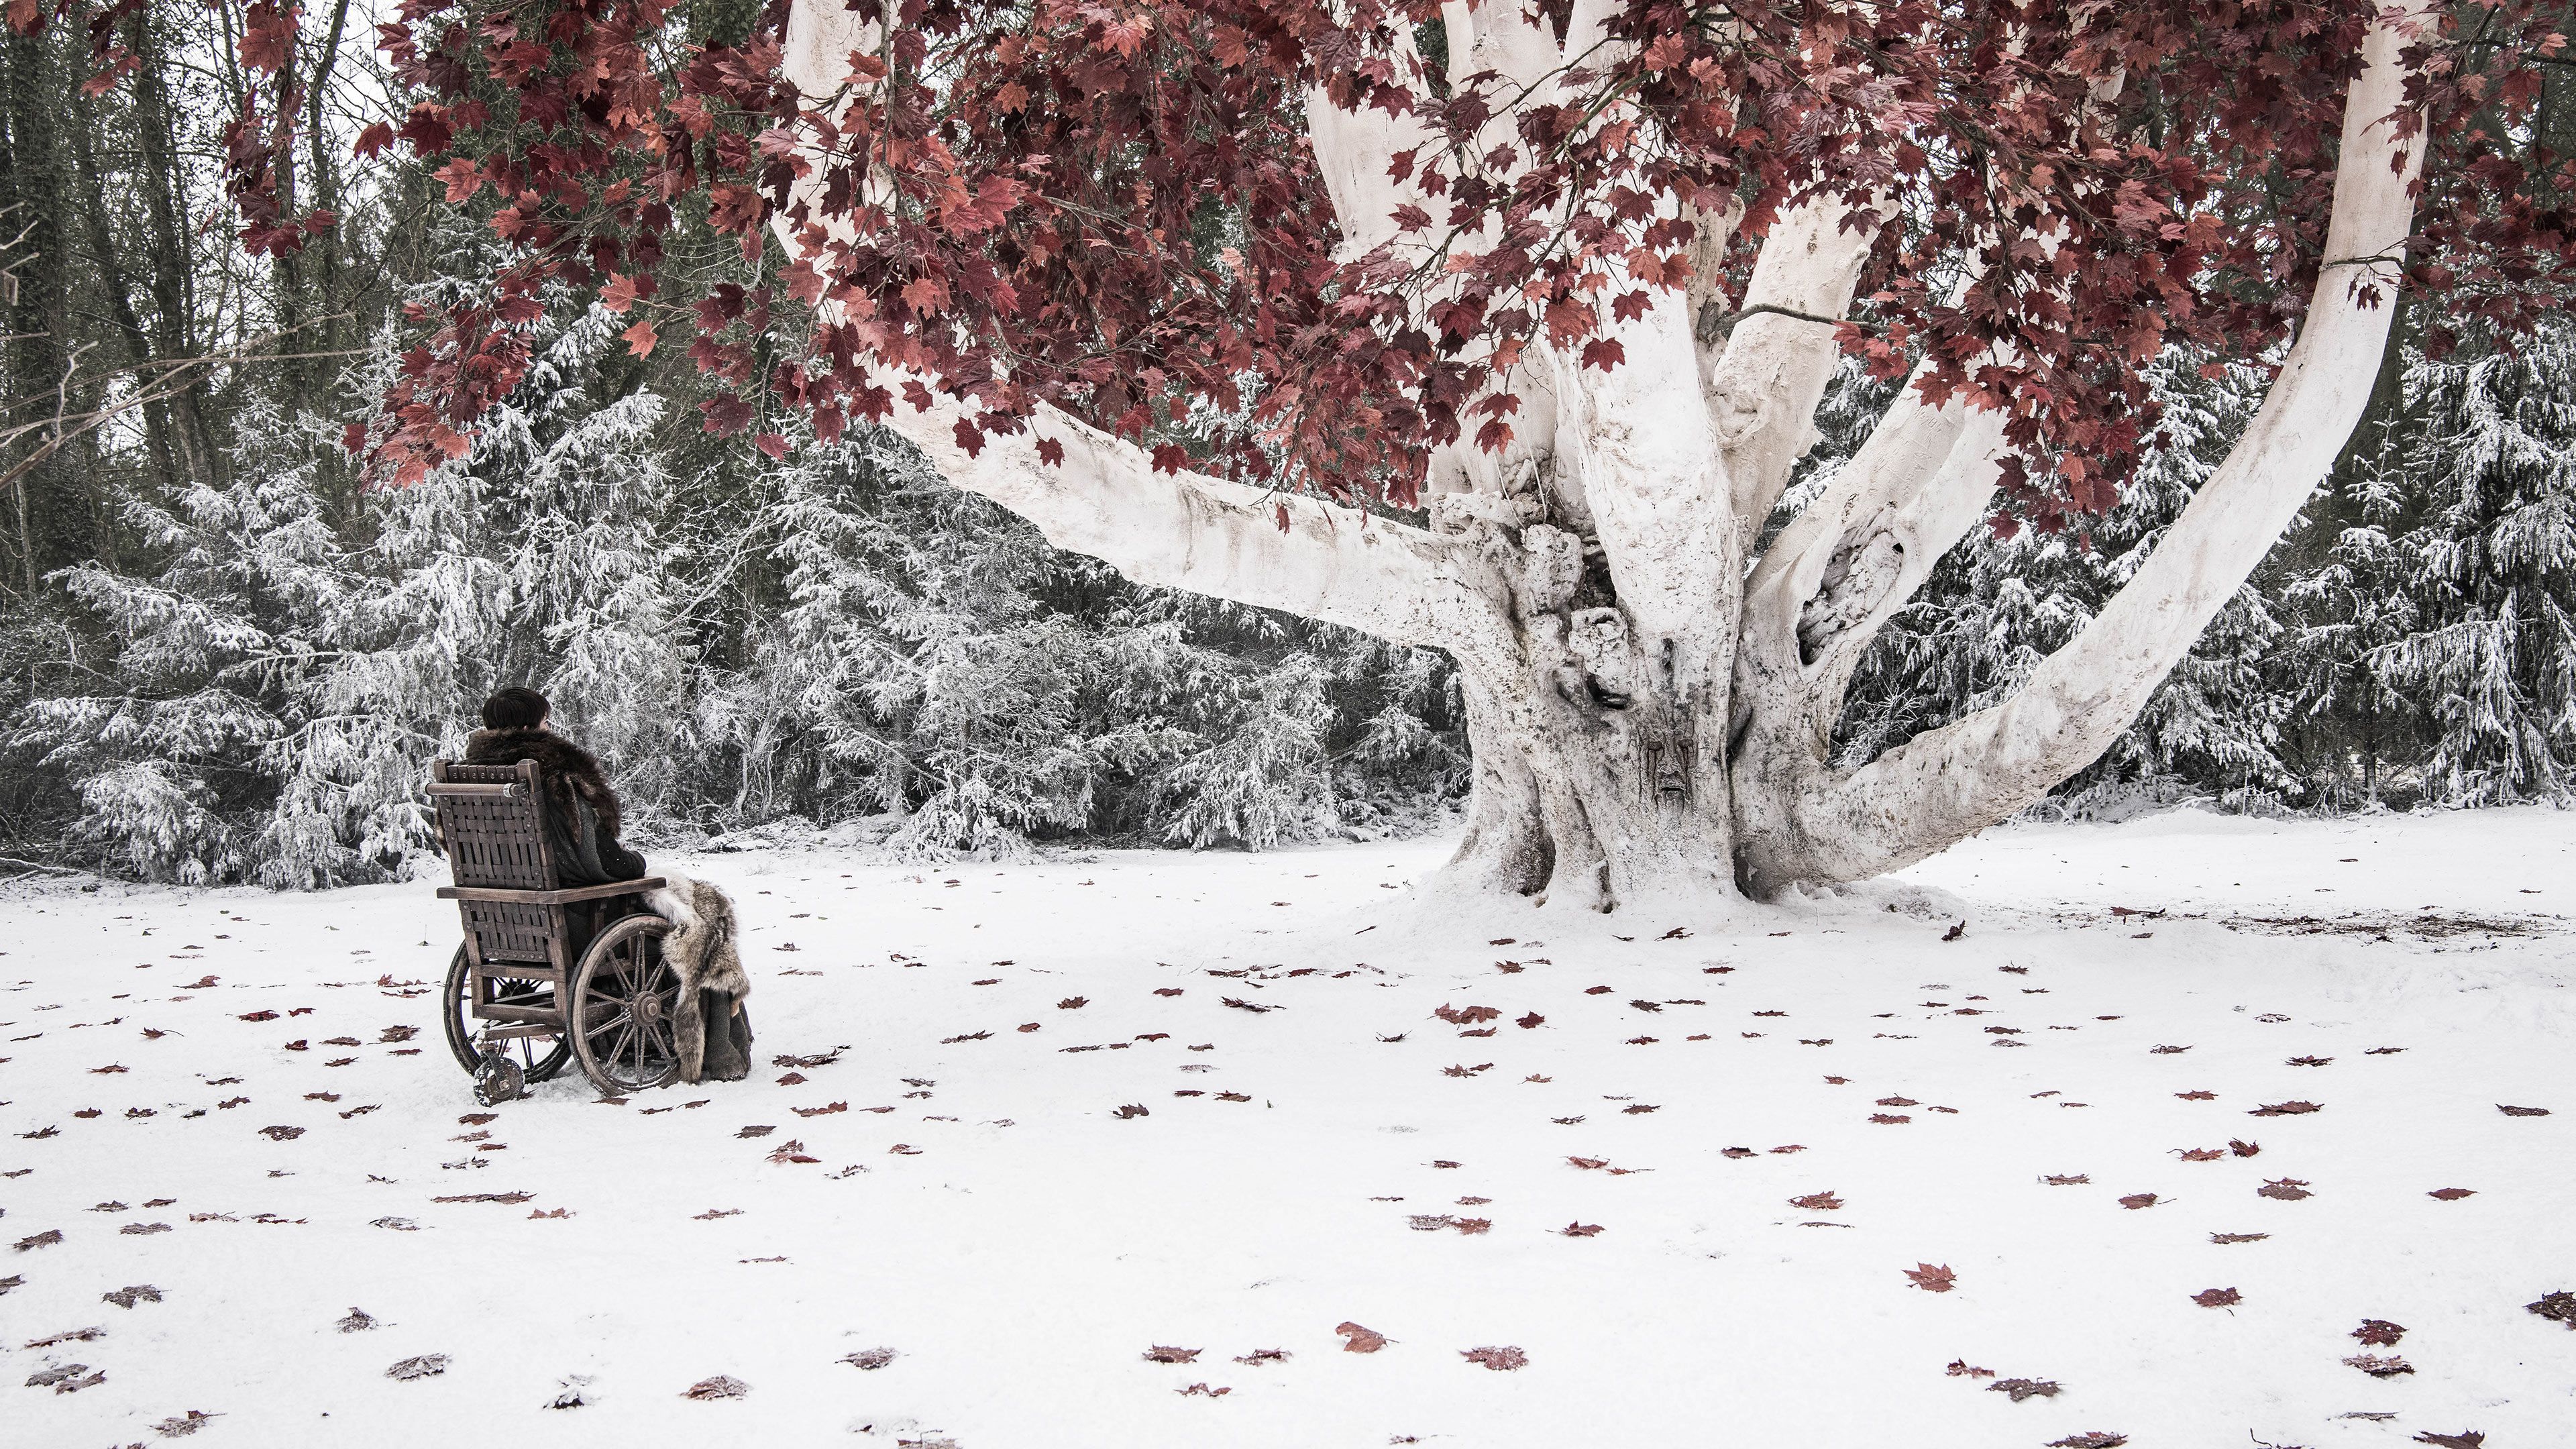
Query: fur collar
(567, 766)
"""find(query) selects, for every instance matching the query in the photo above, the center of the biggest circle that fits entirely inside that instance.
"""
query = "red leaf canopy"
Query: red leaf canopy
(1112, 207)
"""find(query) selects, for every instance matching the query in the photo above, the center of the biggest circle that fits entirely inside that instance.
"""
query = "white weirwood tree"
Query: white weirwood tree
(1650, 700)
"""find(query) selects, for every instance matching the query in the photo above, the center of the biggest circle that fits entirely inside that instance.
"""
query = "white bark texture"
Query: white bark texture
(1650, 707)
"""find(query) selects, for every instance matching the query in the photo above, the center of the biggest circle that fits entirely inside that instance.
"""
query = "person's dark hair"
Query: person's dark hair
(515, 709)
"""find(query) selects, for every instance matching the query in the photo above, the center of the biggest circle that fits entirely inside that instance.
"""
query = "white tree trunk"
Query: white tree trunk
(1650, 708)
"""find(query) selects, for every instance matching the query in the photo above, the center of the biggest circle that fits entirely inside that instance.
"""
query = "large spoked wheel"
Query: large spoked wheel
(539, 1057)
(624, 1002)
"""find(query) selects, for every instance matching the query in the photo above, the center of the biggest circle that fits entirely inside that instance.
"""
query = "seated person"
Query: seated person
(712, 1031)
(582, 818)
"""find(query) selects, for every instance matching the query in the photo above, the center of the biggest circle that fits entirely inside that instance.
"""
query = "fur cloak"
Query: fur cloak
(712, 1031)
(582, 814)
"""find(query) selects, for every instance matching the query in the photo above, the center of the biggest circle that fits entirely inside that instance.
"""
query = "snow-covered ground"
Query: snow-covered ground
(1600, 1176)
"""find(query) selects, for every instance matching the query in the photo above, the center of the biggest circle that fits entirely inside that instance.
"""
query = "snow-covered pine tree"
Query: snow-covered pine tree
(574, 490)
(2346, 590)
(930, 658)
(534, 559)
(2490, 656)
(164, 737)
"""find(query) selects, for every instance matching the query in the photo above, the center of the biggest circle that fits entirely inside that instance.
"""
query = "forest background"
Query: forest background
(223, 658)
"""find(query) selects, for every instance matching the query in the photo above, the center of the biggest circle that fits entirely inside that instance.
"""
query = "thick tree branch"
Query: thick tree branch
(1764, 378)
(1647, 463)
(1954, 781)
(1852, 559)
(1830, 583)
(1353, 150)
(1191, 531)
(1507, 37)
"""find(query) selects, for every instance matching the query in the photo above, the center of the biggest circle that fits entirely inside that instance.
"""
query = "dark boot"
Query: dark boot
(728, 1050)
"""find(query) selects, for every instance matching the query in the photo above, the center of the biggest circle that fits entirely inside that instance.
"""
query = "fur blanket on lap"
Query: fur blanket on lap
(713, 1031)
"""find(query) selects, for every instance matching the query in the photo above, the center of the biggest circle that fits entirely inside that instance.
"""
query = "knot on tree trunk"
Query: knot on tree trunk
(1861, 574)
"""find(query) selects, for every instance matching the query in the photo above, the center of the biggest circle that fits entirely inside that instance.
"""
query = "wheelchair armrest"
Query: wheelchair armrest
(635, 887)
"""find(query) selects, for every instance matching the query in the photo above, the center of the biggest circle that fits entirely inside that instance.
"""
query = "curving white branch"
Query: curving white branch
(1951, 782)
(1851, 560)
(1191, 531)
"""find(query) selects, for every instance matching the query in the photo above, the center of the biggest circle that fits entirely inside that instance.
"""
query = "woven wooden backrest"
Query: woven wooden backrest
(494, 837)
(492, 819)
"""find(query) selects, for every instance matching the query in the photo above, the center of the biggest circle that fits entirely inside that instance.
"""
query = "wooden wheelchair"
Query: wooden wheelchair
(546, 973)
